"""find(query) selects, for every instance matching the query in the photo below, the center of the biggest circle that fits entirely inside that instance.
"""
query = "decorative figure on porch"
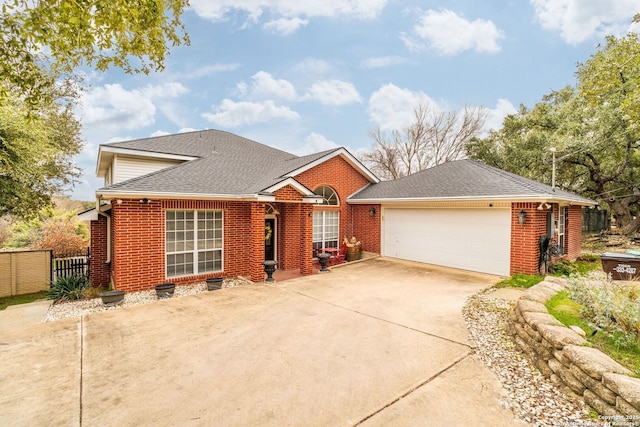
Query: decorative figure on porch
(354, 248)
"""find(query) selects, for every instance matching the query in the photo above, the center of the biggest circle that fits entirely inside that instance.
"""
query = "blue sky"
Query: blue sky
(306, 76)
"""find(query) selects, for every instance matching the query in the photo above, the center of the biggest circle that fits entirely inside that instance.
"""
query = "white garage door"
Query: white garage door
(470, 239)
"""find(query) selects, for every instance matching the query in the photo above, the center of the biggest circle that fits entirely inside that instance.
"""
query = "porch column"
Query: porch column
(306, 238)
(257, 242)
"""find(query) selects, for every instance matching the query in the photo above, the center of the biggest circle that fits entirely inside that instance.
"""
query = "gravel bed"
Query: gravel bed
(529, 394)
(63, 310)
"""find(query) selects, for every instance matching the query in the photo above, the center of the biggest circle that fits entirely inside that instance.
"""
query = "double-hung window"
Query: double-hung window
(193, 242)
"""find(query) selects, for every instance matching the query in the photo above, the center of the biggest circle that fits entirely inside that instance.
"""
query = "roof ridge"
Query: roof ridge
(520, 180)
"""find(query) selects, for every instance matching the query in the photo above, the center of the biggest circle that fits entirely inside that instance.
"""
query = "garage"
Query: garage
(475, 239)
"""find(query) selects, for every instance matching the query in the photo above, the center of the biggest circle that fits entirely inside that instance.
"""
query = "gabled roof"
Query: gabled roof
(464, 180)
(217, 164)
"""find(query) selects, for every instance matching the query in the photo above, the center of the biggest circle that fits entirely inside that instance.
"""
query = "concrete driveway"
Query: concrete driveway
(376, 343)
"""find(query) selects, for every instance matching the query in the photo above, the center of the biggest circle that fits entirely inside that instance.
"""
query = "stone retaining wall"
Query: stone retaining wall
(561, 354)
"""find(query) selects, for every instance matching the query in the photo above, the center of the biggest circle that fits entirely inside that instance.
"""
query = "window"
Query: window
(562, 214)
(193, 242)
(326, 229)
(329, 196)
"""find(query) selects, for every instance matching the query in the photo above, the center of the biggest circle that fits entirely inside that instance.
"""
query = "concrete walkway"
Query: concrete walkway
(377, 343)
(20, 315)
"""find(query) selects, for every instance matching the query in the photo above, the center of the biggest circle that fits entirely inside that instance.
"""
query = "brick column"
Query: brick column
(98, 269)
(256, 243)
(306, 239)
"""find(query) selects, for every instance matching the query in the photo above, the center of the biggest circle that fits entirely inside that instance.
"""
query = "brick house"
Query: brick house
(186, 207)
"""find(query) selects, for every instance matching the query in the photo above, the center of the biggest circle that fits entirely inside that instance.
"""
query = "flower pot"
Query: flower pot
(214, 283)
(165, 290)
(111, 298)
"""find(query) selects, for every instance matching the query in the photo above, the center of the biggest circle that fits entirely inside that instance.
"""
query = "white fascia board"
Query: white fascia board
(88, 215)
(109, 152)
(350, 158)
(292, 182)
(111, 195)
(522, 198)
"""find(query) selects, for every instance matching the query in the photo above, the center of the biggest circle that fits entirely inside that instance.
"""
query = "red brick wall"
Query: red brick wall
(138, 260)
(345, 180)
(366, 227)
(525, 238)
(99, 269)
(573, 232)
(525, 250)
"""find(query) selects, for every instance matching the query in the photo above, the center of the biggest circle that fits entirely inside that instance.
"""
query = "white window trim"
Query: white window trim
(562, 213)
(324, 227)
(195, 250)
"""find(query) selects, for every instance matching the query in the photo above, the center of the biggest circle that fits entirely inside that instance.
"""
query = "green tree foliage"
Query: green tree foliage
(594, 128)
(40, 41)
(36, 150)
(53, 228)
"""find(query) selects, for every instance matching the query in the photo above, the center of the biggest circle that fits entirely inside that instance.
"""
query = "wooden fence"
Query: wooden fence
(70, 265)
(24, 272)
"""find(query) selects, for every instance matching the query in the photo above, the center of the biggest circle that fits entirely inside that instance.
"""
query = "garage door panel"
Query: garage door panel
(471, 239)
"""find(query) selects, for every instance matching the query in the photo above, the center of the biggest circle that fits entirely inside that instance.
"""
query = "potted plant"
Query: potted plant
(111, 298)
(214, 283)
(165, 290)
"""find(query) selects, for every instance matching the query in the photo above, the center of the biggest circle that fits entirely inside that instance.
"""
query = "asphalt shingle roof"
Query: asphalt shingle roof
(464, 179)
(227, 164)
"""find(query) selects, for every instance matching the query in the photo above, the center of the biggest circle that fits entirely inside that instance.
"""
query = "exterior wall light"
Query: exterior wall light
(522, 217)
(372, 211)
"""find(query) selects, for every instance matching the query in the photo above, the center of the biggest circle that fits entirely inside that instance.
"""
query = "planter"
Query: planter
(214, 283)
(354, 253)
(111, 298)
(165, 290)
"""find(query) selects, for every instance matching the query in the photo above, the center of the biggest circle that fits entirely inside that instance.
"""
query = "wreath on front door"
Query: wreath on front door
(267, 232)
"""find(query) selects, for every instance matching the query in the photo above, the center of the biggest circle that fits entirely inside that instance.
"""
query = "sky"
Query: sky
(307, 76)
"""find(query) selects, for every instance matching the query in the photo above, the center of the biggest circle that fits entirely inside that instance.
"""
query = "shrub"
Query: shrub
(68, 288)
(613, 309)
(563, 268)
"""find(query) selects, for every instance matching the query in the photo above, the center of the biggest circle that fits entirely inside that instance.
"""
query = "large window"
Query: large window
(326, 224)
(326, 229)
(193, 242)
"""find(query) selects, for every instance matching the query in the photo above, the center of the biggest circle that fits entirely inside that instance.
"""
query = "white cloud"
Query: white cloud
(334, 92)
(285, 26)
(159, 133)
(312, 67)
(391, 107)
(384, 61)
(208, 70)
(113, 107)
(234, 114)
(448, 33)
(497, 115)
(265, 86)
(579, 20)
(314, 143)
(288, 10)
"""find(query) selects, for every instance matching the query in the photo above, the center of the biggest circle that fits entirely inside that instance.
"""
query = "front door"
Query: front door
(270, 239)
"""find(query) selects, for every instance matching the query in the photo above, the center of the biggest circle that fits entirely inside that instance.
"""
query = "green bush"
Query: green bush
(613, 309)
(563, 268)
(68, 288)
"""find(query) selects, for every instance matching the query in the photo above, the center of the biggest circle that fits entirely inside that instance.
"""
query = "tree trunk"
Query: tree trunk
(625, 221)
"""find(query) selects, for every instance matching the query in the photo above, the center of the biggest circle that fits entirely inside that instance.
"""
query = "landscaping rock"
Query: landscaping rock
(559, 336)
(593, 362)
(625, 386)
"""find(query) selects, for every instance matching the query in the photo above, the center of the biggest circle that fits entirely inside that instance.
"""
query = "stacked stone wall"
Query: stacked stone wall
(563, 355)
